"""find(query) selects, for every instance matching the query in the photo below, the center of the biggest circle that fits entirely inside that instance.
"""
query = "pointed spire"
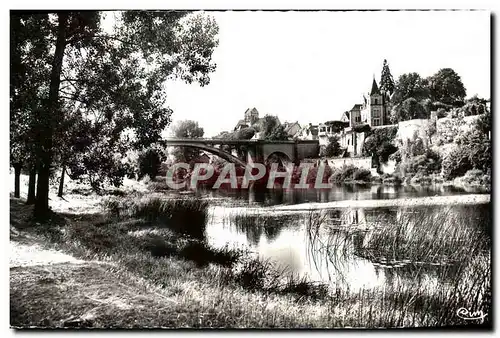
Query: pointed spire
(374, 87)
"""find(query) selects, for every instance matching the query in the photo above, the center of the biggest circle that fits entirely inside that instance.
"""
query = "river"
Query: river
(341, 249)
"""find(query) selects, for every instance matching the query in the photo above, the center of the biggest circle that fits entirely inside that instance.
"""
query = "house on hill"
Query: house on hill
(292, 128)
(376, 107)
(345, 117)
(250, 117)
(308, 132)
(374, 111)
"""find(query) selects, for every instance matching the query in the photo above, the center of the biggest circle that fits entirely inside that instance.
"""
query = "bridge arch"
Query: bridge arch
(216, 151)
(278, 156)
(286, 148)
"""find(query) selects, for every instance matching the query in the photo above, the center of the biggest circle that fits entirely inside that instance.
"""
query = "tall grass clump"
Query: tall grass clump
(186, 216)
(257, 274)
(435, 261)
(429, 235)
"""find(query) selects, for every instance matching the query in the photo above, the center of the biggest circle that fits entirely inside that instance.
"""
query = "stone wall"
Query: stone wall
(407, 130)
(359, 162)
(307, 150)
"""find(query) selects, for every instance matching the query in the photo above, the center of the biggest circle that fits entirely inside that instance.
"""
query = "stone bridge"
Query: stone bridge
(261, 151)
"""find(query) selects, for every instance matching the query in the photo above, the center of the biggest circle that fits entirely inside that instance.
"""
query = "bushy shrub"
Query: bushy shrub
(473, 151)
(362, 128)
(313, 172)
(396, 156)
(158, 185)
(421, 179)
(343, 174)
(380, 143)
(436, 105)
(474, 177)
(391, 180)
(456, 164)
(427, 163)
(149, 163)
(441, 112)
(362, 175)
(333, 147)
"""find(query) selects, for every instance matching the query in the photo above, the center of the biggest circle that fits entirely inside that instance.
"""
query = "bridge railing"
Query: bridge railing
(173, 141)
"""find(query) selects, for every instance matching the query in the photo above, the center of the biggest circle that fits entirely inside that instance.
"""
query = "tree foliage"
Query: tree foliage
(473, 106)
(472, 151)
(242, 134)
(409, 109)
(337, 126)
(380, 144)
(187, 129)
(446, 86)
(333, 147)
(410, 85)
(150, 161)
(29, 71)
(113, 77)
(272, 129)
(386, 80)
(278, 134)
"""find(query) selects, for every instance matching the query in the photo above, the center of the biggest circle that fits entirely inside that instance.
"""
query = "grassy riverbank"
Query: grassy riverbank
(194, 285)
(144, 262)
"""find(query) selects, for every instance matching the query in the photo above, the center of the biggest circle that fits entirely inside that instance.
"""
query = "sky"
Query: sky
(310, 67)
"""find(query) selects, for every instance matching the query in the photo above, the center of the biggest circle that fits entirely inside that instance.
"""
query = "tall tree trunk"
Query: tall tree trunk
(17, 179)
(31, 186)
(61, 182)
(49, 116)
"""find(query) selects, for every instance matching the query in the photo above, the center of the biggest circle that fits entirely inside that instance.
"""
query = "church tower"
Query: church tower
(376, 105)
(251, 116)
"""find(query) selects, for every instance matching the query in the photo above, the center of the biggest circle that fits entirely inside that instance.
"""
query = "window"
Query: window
(376, 101)
(376, 122)
(376, 113)
(358, 118)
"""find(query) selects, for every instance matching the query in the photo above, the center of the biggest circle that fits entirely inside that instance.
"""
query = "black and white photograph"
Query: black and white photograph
(250, 169)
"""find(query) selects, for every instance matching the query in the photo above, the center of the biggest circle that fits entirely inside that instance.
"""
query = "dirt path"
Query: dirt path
(33, 254)
(49, 288)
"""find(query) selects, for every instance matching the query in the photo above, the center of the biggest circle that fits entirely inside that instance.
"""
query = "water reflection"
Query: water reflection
(269, 197)
(332, 245)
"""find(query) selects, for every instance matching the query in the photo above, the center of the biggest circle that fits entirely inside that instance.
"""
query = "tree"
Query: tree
(474, 106)
(272, 129)
(222, 135)
(115, 78)
(447, 87)
(28, 83)
(244, 134)
(472, 151)
(410, 85)
(187, 129)
(333, 147)
(150, 161)
(278, 134)
(337, 126)
(379, 144)
(268, 124)
(386, 80)
(409, 109)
